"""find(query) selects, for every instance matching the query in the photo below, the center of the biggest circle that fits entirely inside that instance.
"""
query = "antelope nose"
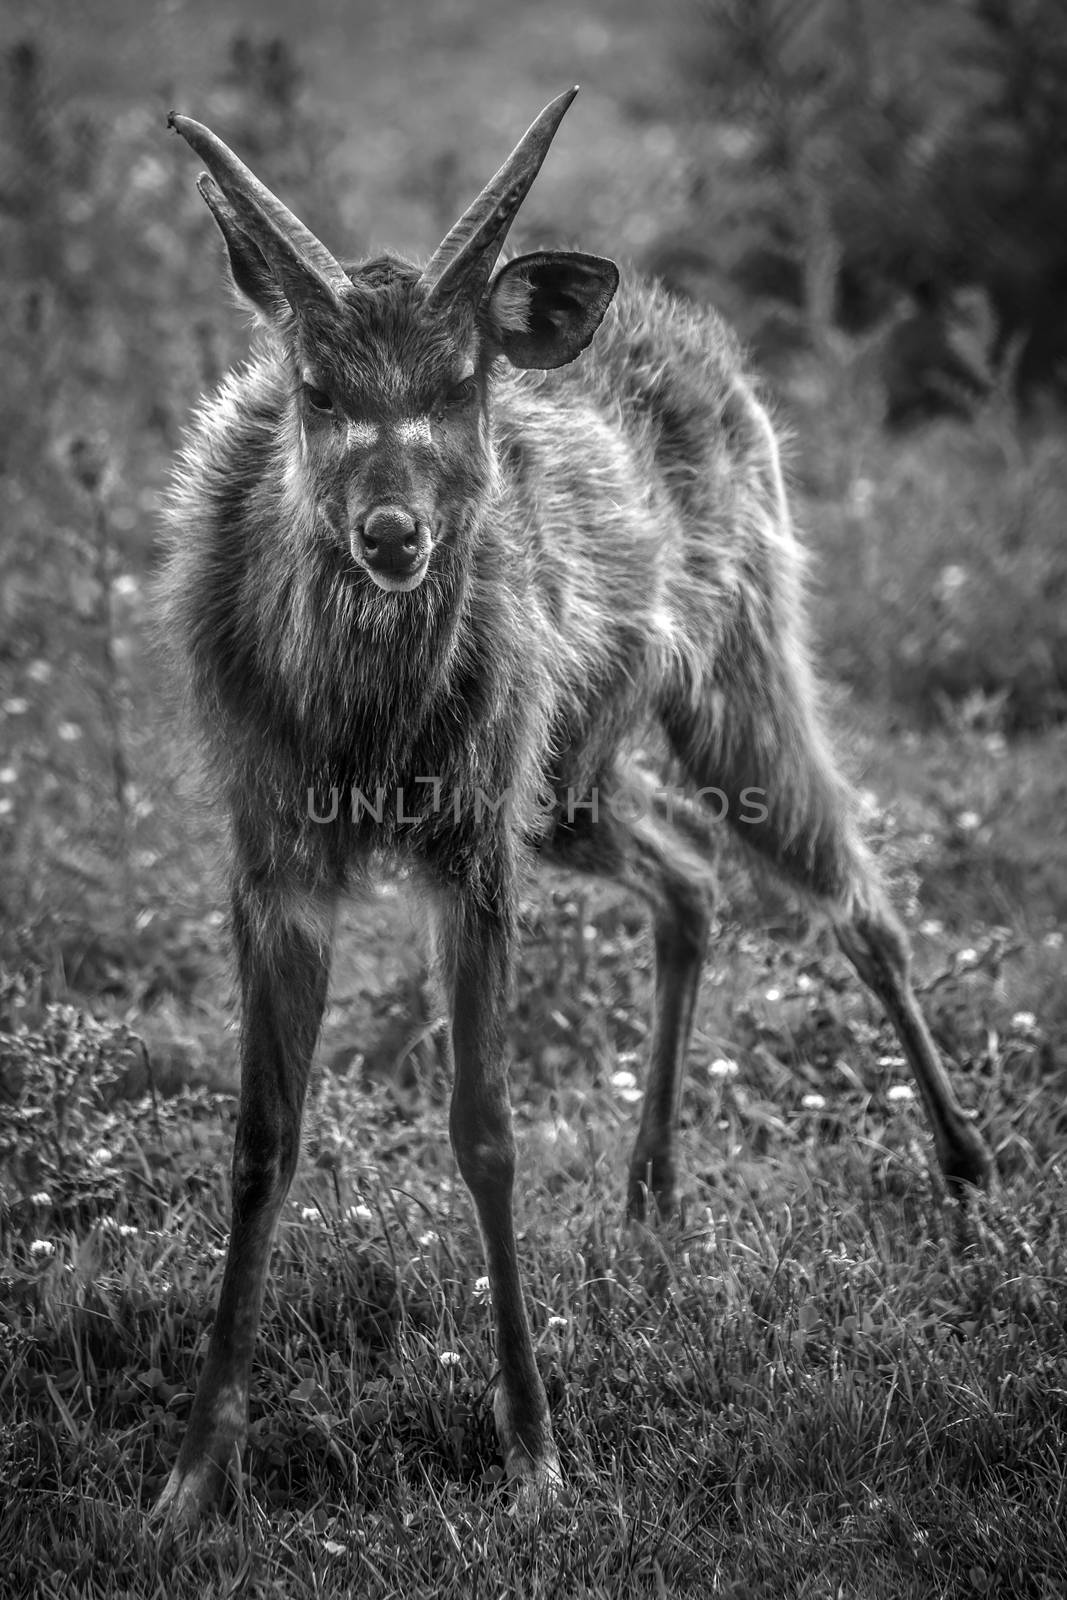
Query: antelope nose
(392, 540)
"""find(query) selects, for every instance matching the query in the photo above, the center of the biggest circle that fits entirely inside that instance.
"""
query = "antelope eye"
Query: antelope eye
(462, 393)
(317, 399)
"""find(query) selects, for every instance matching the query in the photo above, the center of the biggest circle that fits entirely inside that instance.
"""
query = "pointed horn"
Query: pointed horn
(466, 256)
(305, 264)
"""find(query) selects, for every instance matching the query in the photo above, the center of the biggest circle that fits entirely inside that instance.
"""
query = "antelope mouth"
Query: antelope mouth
(395, 582)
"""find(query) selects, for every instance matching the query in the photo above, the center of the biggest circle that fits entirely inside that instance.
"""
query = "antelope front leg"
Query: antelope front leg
(477, 974)
(283, 956)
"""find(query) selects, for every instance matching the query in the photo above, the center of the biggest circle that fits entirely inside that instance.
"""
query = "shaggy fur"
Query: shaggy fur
(612, 570)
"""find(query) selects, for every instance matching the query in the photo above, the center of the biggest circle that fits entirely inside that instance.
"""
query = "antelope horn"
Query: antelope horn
(464, 260)
(306, 267)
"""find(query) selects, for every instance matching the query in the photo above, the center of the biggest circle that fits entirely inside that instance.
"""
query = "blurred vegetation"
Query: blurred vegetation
(824, 140)
(114, 321)
(830, 154)
(886, 149)
(813, 151)
(876, 198)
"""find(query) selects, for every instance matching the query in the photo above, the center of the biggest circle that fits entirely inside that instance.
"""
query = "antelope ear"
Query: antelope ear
(543, 309)
(252, 277)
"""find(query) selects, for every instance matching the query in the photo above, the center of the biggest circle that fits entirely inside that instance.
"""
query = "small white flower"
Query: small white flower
(426, 1239)
(1024, 1022)
(625, 1085)
(773, 995)
(449, 1358)
(42, 1249)
(968, 821)
(481, 1289)
(309, 1213)
(965, 959)
(931, 928)
(127, 1230)
(891, 1061)
(900, 1091)
(125, 586)
(805, 982)
(359, 1213)
(557, 1322)
(723, 1067)
(1053, 940)
(813, 1102)
(41, 1198)
(101, 1155)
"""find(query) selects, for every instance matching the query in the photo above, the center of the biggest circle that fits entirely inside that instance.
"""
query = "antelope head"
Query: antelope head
(390, 366)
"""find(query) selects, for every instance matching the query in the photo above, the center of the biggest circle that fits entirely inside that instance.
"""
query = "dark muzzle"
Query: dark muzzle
(392, 542)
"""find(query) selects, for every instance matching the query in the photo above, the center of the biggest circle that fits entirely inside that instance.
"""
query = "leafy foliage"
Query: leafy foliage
(940, 571)
(886, 148)
(112, 323)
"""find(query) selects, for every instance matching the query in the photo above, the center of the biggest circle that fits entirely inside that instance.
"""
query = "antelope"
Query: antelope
(420, 551)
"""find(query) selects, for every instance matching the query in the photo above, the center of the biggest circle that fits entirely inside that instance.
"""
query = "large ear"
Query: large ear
(543, 309)
(252, 276)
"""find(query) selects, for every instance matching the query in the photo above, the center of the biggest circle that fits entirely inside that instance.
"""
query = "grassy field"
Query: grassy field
(824, 1381)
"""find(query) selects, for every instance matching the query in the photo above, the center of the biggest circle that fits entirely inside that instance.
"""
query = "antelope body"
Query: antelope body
(418, 553)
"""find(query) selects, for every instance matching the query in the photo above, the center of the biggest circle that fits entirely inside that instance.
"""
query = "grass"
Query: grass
(825, 1381)
(776, 1403)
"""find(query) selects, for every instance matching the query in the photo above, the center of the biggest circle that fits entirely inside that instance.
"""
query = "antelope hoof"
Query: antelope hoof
(189, 1494)
(537, 1485)
(967, 1164)
(658, 1204)
(536, 1479)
